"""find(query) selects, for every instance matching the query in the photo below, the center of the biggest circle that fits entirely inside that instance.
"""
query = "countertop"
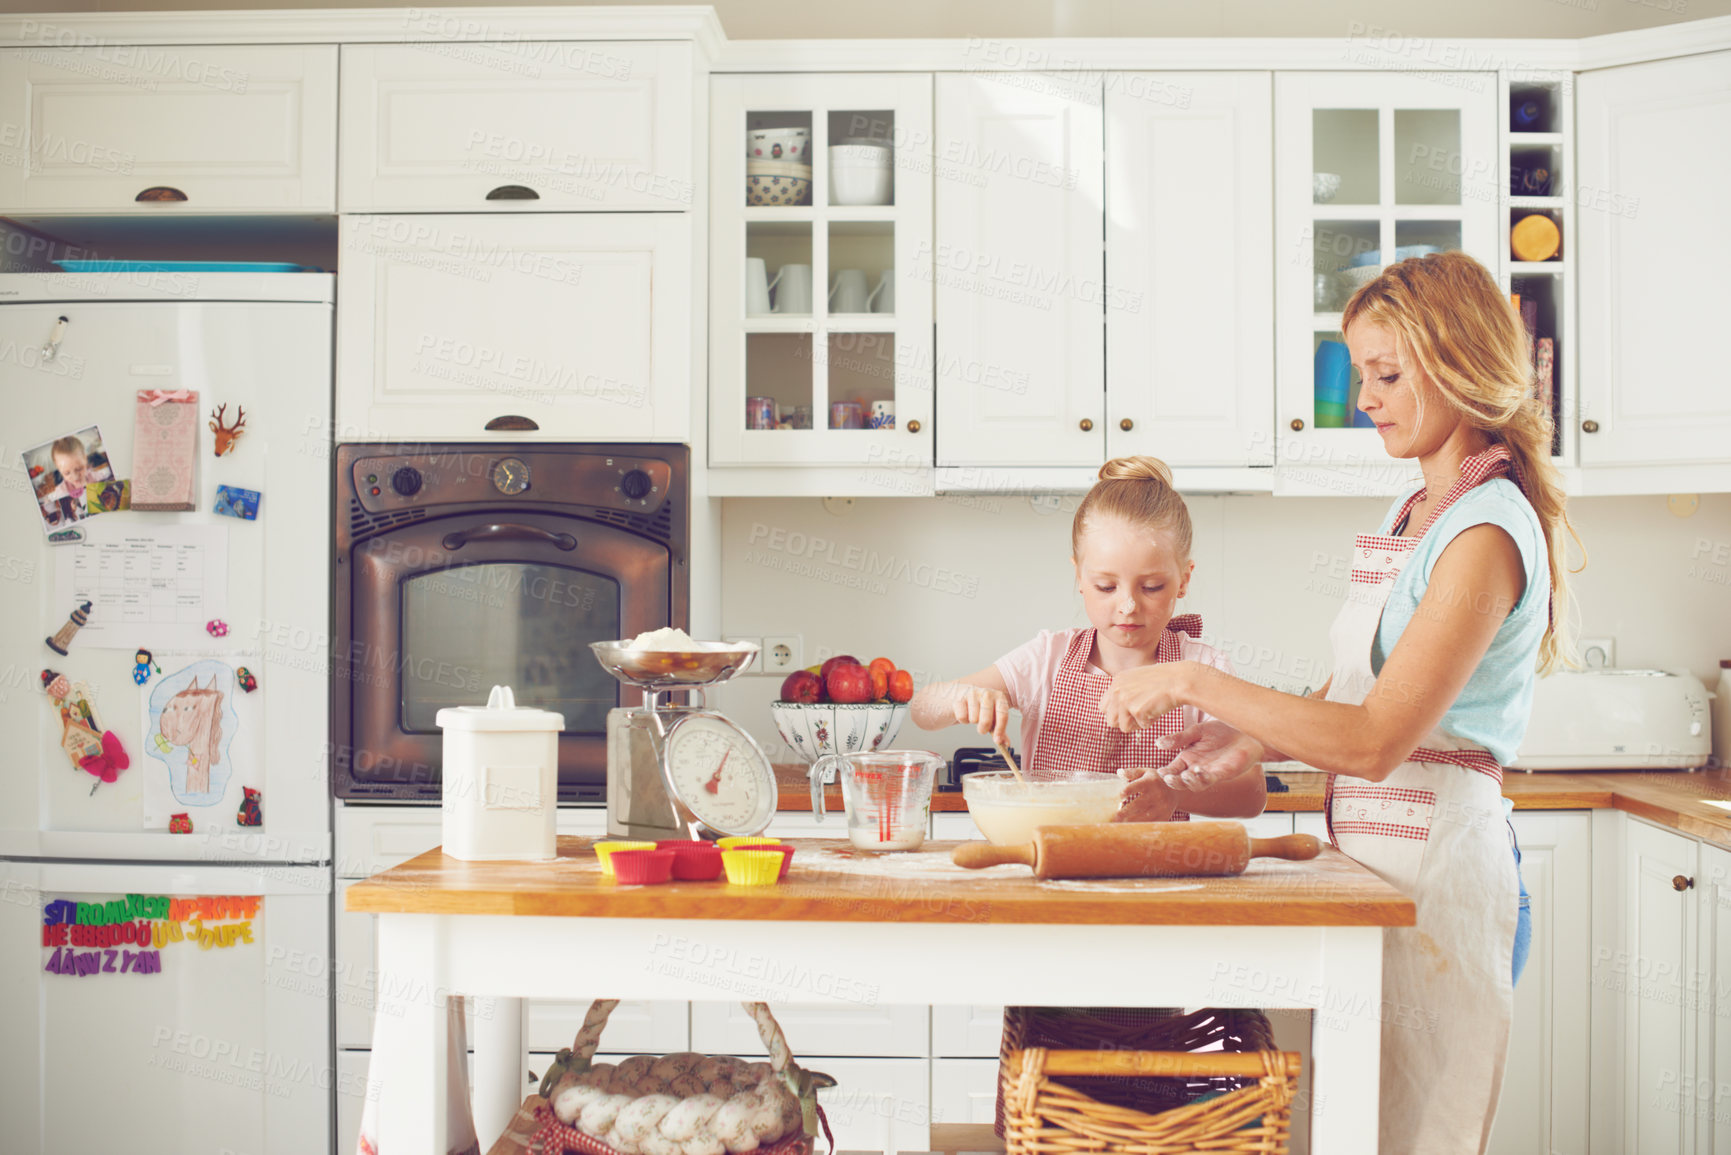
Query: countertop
(829, 881)
(1673, 798)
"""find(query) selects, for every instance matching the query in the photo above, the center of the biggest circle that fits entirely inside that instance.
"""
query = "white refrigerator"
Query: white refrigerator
(165, 927)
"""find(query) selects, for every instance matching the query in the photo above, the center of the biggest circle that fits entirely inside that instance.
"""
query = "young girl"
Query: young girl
(1455, 604)
(1130, 543)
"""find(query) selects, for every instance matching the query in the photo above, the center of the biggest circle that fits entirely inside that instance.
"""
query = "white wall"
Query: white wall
(944, 586)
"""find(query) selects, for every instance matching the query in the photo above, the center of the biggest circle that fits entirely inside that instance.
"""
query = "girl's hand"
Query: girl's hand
(1146, 798)
(1207, 754)
(1137, 697)
(988, 710)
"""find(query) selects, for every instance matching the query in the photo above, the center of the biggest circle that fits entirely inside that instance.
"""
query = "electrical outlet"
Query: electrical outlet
(1598, 653)
(781, 655)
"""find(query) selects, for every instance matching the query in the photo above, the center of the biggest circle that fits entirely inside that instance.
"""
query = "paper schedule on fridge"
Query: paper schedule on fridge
(154, 586)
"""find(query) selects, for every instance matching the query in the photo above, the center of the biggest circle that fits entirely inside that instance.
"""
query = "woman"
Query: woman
(1455, 604)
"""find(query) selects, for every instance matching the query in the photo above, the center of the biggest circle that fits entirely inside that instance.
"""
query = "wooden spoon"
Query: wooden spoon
(1005, 755)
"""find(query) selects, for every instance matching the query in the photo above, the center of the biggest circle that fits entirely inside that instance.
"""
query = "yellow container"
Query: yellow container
(604, 851)
(1535, 238)
(747, 867)
(731, 843)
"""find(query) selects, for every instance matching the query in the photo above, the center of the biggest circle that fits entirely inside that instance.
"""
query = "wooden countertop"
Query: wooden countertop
(1673, 798)
(830, 881)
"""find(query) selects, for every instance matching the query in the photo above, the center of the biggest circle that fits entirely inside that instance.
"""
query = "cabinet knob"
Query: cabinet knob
(914, 425)
(513, 192)
(1086, 425)
(1126, 425)
(160, 192)
(1589, 426)
(1297, 424)
(1682, 882)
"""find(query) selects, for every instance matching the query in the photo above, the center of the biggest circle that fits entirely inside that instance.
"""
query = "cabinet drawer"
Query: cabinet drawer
(233, 128)
(878, 1104)
(973, 1030)
(581, 324)
(444, 127)
(964, 1091)
(725, 1029)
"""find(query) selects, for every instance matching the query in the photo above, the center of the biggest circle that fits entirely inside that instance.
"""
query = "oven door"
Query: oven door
(444, 609)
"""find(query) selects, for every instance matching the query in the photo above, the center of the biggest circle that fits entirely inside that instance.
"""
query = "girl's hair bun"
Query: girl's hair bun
(1136, 469)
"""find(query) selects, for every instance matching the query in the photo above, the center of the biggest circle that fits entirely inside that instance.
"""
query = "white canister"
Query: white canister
(501, 780)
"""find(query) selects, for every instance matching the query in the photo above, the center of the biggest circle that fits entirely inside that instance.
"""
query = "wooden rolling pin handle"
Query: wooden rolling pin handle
(977, 855)
(1297, 847)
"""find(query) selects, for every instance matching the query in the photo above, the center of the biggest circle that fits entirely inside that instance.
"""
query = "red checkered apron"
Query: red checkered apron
(1437, 834)
(1074, 736)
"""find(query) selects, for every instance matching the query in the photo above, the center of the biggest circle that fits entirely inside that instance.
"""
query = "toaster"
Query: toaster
(1617, 720)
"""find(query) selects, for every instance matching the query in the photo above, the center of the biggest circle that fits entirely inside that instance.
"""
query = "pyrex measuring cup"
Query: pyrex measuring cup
(888, 795)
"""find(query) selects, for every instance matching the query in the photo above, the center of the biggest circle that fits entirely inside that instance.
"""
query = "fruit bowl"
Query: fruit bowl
(814, 729)
(1007, 811)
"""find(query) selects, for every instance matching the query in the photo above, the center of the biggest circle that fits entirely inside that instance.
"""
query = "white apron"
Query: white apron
(1434, 829)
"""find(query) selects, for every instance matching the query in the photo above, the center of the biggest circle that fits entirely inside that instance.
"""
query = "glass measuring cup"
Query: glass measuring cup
(887, 793)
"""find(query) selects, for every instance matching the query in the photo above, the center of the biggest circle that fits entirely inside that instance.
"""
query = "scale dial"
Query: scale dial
(721, 775)
(511, 476)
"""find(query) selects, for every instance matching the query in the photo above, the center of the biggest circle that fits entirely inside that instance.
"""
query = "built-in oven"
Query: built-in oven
(461, 567)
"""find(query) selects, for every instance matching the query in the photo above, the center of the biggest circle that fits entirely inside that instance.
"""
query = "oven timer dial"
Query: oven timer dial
(406, 481)
(511, 476)
(636, 484)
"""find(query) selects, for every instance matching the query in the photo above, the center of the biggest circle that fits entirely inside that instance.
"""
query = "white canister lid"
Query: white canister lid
(500, 713)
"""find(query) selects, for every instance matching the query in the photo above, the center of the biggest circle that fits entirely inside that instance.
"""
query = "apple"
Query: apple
(901, 686)
(838, 660)
(801, 686)
(849, 683)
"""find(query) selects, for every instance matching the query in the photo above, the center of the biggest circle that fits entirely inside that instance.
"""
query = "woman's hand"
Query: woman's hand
(1146, 797)
(988, 710)
(1137, 697)
(1206, 755)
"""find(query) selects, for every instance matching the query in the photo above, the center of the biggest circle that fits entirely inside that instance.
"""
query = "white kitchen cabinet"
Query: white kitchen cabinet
(1189, 245)
(1709, 1094)
(972, 1031)
(816, 1029)
(1416, 158)
(571, 327)
(168, 129)
(877, 1104)
(1653, 238)
(964, 1091)
(520, 125)
(813, 356)
(1019, 270)
(1545, 1082)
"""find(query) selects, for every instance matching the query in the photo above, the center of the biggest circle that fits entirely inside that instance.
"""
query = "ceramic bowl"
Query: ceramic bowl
(791, 144)
(777, 168)
(1360, 275)
(1006, 811)
(1323, 186)
(850, 185)
(817, 728)
(776, 190)
(860, 156)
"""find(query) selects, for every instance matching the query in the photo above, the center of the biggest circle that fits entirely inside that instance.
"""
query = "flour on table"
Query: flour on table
(934, 864)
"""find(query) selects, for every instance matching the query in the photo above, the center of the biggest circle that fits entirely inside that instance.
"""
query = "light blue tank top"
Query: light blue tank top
(1494, 706)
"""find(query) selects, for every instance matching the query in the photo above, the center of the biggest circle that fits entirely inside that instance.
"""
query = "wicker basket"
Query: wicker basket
(1141, 1083)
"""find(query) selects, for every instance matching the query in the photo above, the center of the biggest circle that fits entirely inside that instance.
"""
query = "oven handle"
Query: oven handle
(462, 537)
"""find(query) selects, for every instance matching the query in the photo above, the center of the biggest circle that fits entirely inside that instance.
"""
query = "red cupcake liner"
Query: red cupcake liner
(642, 867)
(786, 857)
(696, 862)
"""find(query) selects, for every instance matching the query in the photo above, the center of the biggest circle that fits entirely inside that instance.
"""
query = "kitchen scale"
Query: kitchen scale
(682, 771)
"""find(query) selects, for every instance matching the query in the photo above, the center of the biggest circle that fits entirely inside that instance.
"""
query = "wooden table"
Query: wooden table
(853, 927)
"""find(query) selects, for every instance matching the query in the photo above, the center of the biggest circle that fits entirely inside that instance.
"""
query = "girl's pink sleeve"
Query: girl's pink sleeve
(1196, 651)
(1024, 670)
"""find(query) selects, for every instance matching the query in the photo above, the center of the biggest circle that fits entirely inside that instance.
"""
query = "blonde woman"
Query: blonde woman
(1456, 603)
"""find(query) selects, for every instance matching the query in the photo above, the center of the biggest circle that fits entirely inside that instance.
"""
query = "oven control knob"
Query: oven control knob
(406, 481)
(636, 485)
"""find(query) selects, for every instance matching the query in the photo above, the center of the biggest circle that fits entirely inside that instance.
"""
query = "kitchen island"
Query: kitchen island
(851, 927)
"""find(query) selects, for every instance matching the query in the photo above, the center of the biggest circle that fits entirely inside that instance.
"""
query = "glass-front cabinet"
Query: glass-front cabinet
(820, 333)
(1370, 169)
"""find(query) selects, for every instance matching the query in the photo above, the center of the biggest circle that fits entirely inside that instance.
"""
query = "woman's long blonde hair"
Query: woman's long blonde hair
(1137, 490)
(1448, 313)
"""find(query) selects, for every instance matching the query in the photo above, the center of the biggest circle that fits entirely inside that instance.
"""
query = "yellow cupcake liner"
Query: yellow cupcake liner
(604, 852)
(747, 867)
(753, 840)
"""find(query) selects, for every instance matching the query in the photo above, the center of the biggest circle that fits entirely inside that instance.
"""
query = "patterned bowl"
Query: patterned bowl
(818, 728)
(776, 190)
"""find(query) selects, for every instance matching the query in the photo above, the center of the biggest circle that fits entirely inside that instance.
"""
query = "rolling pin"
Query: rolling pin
(1138, 850)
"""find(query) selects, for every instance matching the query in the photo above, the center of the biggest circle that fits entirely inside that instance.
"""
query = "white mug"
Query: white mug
(883, 298)
(794, 296)
(848, 295)
(756, 287)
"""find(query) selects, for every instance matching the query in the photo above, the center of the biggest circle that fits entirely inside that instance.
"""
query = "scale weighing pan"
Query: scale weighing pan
(666, 669)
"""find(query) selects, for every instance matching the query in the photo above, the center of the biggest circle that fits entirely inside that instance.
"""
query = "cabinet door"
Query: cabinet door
(815, 1029)
(1018, 270)
(1189, 253)
(229, 128)
(477, 127)
(1658, 952)
(877, 1104)
(1711, 1091)
(1654, 241)
(964, 1091)
(1545, 1083)
(580, 324)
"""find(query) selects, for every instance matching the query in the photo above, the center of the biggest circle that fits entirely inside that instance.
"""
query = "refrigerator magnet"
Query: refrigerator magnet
(62, 473)
(63, 636)
(164, 449)
(227, 435)
(233, 501)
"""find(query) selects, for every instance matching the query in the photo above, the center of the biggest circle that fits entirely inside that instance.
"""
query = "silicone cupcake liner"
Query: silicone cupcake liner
(752, 867)
(604, 852)
(754, 840)
(642, 867)
(786, 857)
(696, 862)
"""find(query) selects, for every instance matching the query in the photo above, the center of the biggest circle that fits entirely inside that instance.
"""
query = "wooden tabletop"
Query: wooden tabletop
(830, 881)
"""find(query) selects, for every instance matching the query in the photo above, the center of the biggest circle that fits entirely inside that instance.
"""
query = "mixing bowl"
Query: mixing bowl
(1006, 811)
